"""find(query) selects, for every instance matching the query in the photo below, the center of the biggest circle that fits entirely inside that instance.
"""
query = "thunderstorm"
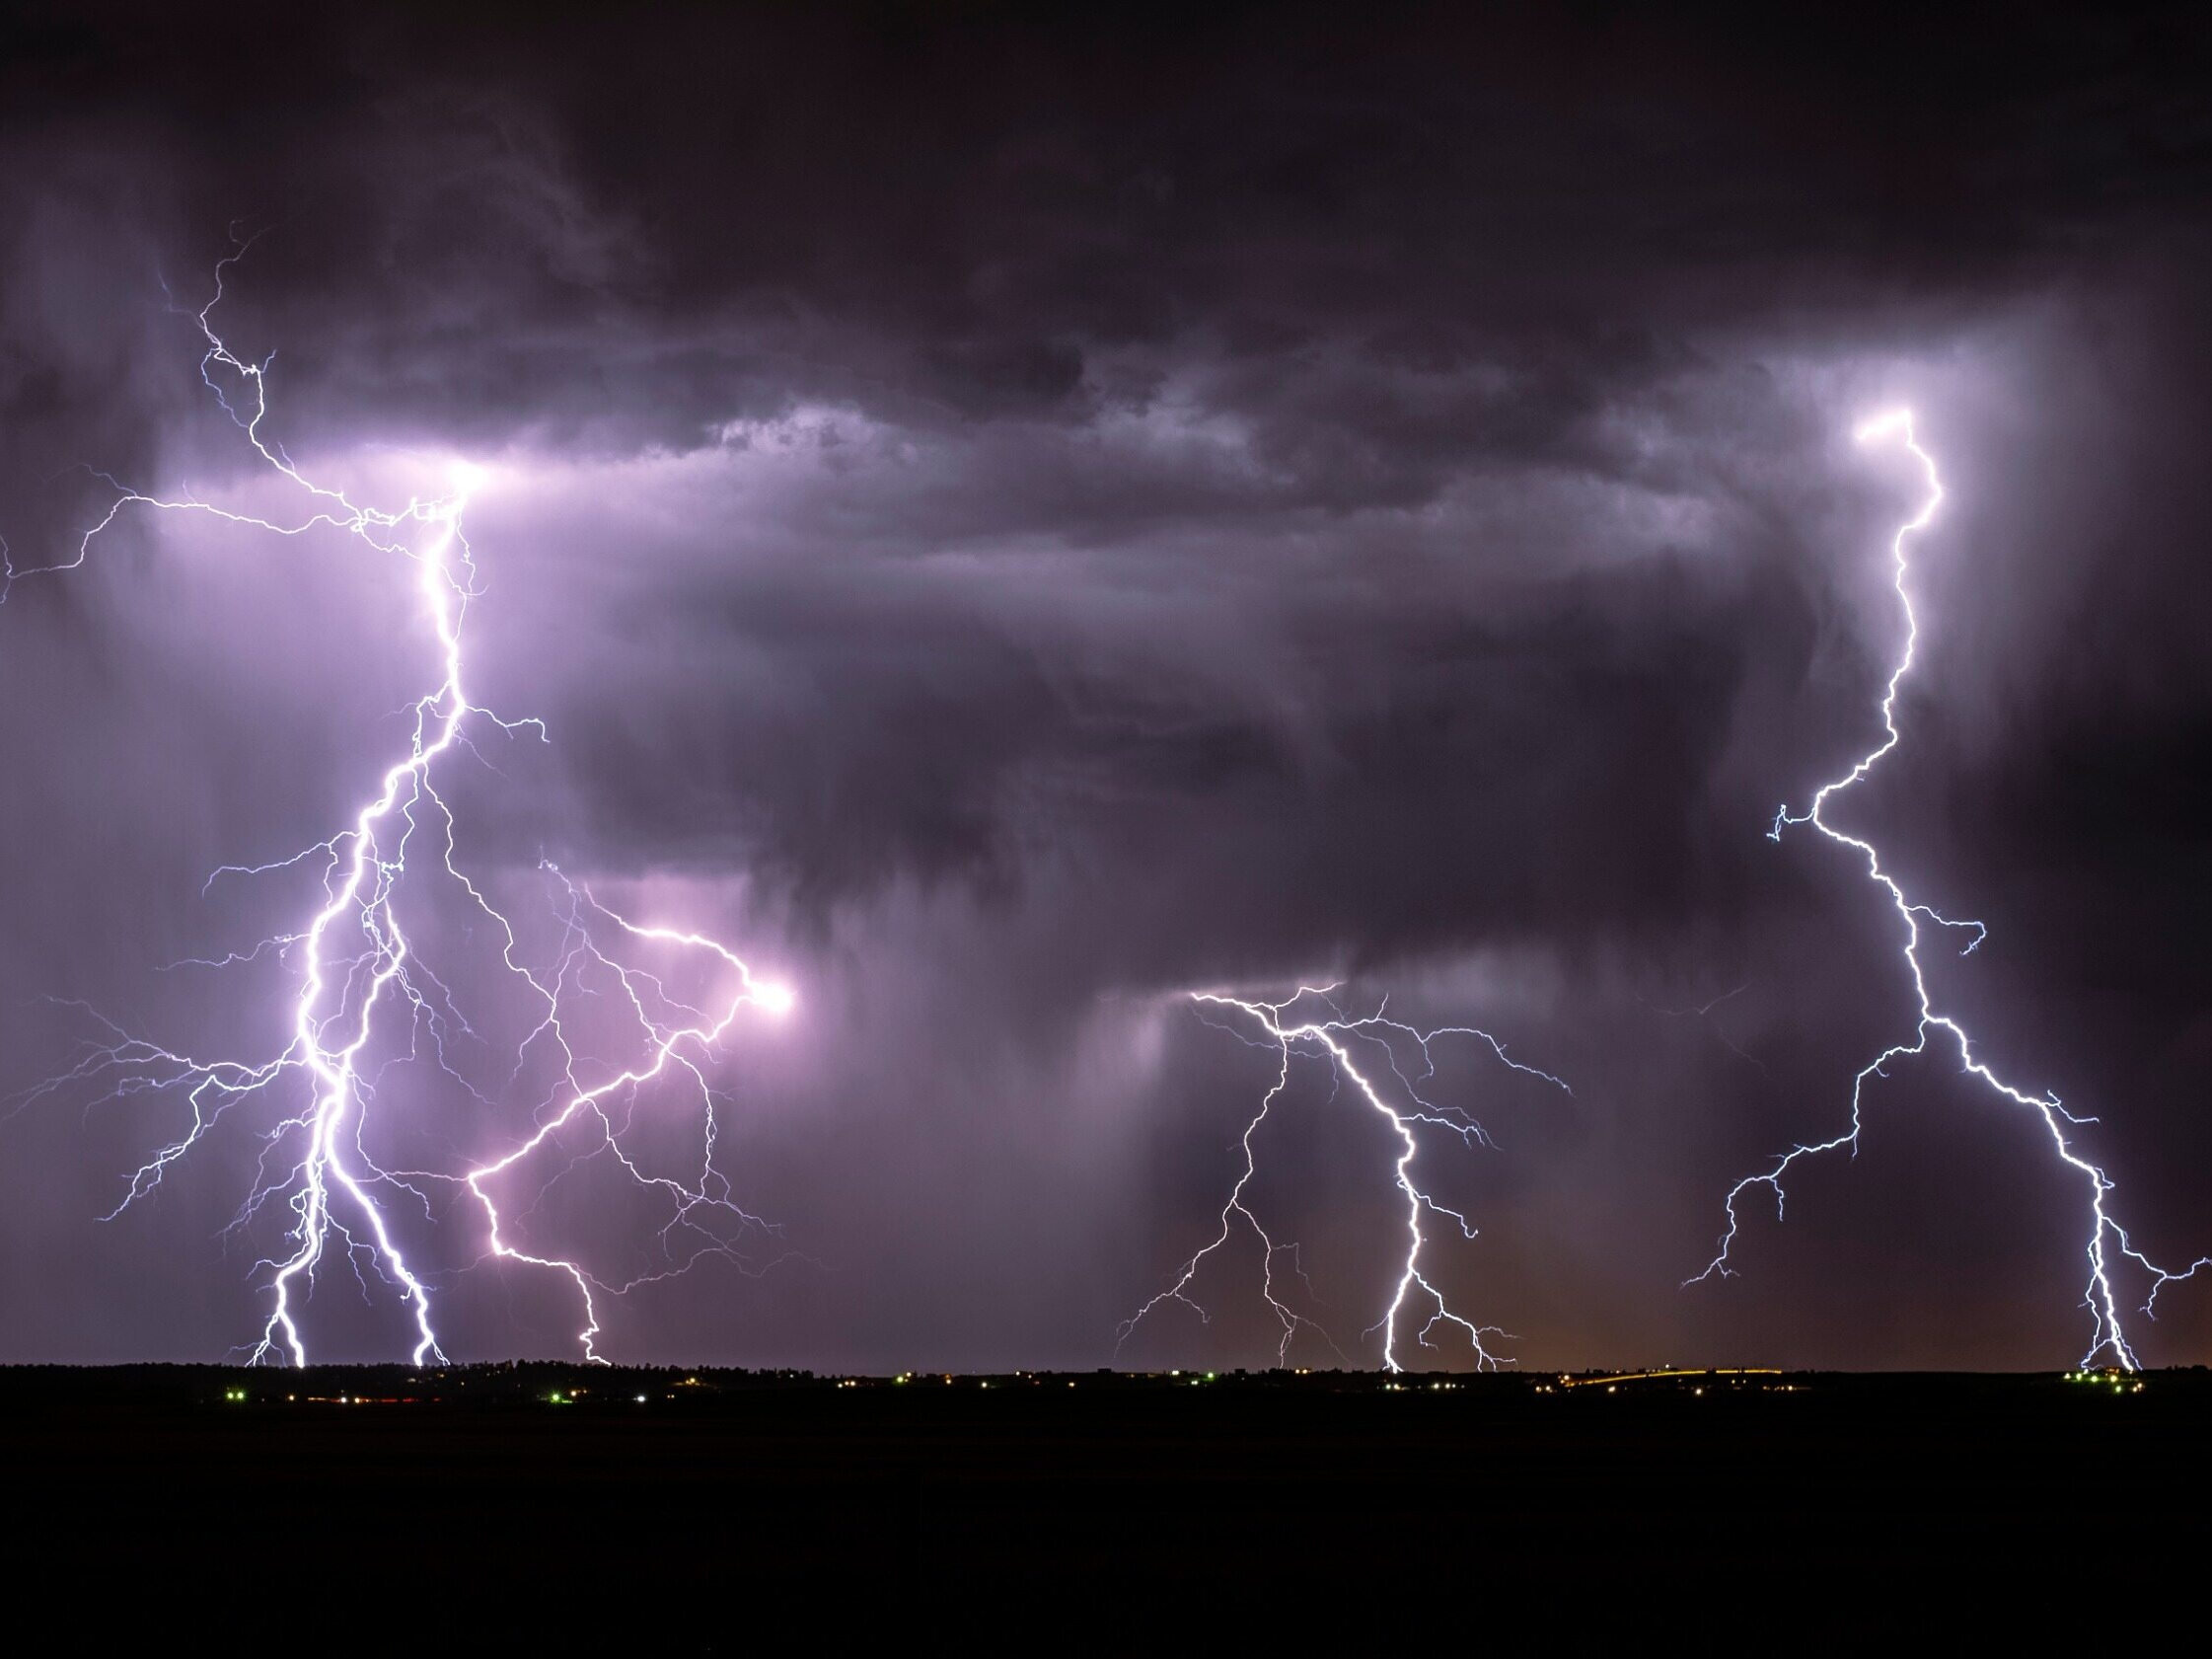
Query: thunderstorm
(2105, 1236)
(1347, 1044)
(362, 993)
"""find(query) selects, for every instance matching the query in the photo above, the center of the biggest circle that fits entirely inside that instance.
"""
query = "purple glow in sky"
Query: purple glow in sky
(1008, 521)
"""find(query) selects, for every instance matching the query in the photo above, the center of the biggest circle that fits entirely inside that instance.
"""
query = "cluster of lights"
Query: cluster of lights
(1735, 1378)
(2121, 1382)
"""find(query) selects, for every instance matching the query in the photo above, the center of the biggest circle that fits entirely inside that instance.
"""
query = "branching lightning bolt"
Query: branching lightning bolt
(2106, 1235)
(1345, 1043)
(360, 983)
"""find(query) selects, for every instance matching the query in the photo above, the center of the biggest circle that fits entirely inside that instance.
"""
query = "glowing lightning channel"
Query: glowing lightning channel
(2106, 1233)
(1332, 1038)
(359, 982)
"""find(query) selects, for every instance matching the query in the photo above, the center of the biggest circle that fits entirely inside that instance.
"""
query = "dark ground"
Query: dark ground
(1122, 1513)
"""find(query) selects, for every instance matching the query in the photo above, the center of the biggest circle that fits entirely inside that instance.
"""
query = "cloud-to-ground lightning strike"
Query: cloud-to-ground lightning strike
(1344, 1043)
(2106, 1235)
(363, 990)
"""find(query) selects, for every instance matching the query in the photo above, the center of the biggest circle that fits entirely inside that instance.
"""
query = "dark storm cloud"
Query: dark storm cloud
(1059, 507)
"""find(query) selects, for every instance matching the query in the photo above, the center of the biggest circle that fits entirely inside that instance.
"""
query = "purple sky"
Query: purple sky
(1008, 521)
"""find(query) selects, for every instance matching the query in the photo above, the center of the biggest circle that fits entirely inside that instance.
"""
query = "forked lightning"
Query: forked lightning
(2106, 1235)
(1352, 1048)
(364, 994)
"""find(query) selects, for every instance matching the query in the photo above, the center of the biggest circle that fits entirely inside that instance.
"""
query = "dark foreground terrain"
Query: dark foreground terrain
(550, 1506)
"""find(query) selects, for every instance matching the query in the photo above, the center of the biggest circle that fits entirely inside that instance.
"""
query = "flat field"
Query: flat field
(727, 1510)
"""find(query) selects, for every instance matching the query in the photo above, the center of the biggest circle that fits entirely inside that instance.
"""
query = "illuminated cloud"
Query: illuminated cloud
(1009, 519)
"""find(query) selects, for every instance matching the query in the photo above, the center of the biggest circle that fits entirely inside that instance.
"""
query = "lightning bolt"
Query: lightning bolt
(1344, 1043)
(363, 991)
(2106, 1235)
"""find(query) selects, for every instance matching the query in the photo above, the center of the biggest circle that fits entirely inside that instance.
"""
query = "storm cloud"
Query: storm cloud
(1020, 513)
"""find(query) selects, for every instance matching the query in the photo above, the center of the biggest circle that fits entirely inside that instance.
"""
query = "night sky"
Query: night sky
(1012, 516)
